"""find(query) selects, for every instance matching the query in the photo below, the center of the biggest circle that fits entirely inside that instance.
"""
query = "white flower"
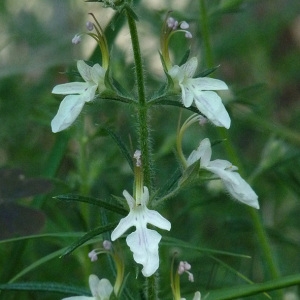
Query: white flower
(200, 90)
(101, 289)
(197, 296)
(143, 242)
(78, 93)
(232, 180)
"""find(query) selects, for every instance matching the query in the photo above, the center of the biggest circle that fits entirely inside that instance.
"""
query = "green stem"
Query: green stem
(232, 154)
(143, 133)
(204, 28)
(142, 117)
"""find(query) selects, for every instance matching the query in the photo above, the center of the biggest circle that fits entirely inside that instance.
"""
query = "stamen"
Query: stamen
(93, 255)
(184, 267)
(107, 245)
(202, 120)
(188, 35)
(172, 23)
(76, 39)
(89, 25)
(184, 25)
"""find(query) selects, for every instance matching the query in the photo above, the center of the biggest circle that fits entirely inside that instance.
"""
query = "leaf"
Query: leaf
(37, 263)
(182, 244)
(89, 236)
(185, 57)
(45, 286)
(93, 201)
(176, 103)
(44, 235)
(206, 72)
(253, 289)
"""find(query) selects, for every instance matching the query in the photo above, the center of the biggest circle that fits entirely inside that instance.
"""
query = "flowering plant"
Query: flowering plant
(139, 198)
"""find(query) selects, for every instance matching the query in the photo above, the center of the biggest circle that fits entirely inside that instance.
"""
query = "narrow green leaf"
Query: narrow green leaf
(206, 72)
(93, 201)
(37, 263)
(253, 289)
(45, 287)
(175, 103)
(44, 235)
(88, 236)
(179, 243)
(185, 57)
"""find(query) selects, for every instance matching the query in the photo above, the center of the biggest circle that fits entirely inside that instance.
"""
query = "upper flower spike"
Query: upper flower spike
(143, 242)
(200, 91)
(78, 93)
(232, 180)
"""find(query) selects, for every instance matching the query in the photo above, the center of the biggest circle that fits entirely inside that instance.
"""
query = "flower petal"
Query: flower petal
(174, 72)
(209, 84)
(241, 190)
(187, 95)
(124, 225)
(84, 70)
(210, 104)
(89, 94)
(130, 200)
(144, 245)
(197, 296)
(93, 283)
(98, 74)
(104, 289)
(203, 152)
(157, 220)
(68, 111)
(189, 68)
(70, 88)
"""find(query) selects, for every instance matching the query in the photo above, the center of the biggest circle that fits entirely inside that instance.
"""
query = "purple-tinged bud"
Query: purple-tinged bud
(89, 25)
(184, 267)
(188, 35)
(184, 25)
(93, 255)
(107, 245)
(202, 120)
(191, 277)
(172, 23)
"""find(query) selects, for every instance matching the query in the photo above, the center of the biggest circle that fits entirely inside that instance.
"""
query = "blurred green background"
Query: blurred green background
(256, 44)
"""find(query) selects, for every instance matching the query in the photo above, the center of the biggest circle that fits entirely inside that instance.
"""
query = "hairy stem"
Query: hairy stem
(142, 107)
